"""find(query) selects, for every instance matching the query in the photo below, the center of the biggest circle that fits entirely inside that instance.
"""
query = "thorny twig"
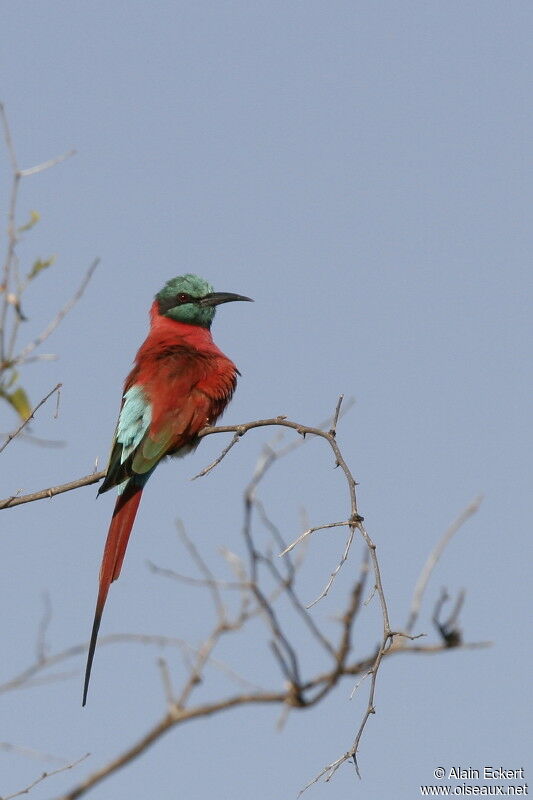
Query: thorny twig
(299, 691)
(450, 635)
(239, 430)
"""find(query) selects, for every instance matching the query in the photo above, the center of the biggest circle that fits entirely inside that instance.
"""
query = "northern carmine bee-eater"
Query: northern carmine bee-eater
(180, 383)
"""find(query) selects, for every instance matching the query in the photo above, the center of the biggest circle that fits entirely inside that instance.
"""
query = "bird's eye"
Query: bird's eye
(183, 297)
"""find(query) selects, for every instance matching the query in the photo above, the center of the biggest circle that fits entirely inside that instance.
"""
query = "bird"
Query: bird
(180, 382)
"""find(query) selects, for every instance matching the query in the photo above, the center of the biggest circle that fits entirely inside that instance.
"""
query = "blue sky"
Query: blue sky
(363, 171)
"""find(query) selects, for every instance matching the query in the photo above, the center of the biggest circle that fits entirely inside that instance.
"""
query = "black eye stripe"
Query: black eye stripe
(173, 301)
(184, 297)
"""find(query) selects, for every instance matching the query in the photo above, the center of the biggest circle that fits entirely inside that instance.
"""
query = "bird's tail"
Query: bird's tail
(114, 551)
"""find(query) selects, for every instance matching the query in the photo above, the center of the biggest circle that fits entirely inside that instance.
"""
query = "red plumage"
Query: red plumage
(187, 382)
(187, 378)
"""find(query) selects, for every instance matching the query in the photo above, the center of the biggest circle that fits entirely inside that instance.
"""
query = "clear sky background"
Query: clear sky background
(363, 171)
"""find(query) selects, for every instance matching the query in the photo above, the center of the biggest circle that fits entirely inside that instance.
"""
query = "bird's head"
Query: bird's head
(191, 299)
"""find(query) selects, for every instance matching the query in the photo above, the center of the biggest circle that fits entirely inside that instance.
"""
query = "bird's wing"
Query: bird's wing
(133, 423)
(157, 418)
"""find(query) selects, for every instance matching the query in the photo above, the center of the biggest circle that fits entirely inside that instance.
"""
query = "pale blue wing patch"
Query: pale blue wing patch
(134, 420)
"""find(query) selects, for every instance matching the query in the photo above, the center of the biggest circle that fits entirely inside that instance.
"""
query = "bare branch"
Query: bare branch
(299, 607)
(12, 436)
(177, 716)
(282, 647)
(449, 631)
(52, 162)
(87, 480)
(166, 680)
(41, 647)
(335, 572)
(11, 228)
(219, 458)
(30, 752)
(17, 500)
(260, 578)
(434, 557)
(31, 676)
(177, 576)
(8, 138)
(44, 776)
(309, 531)
(208, 575)
(172, 718)
(11, 286)
(333, 428)
(61, 314)
(275, 454)
(298, 691)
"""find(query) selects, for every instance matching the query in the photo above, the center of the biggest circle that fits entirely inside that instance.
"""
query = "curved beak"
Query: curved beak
(216, 298)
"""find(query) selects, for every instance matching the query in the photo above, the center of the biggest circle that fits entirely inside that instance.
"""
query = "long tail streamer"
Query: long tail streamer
(115, 549)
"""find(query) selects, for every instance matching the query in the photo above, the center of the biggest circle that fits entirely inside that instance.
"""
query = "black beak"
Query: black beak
(216, 298)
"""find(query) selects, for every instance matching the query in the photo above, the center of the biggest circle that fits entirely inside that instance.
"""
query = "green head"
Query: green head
(192, 300)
